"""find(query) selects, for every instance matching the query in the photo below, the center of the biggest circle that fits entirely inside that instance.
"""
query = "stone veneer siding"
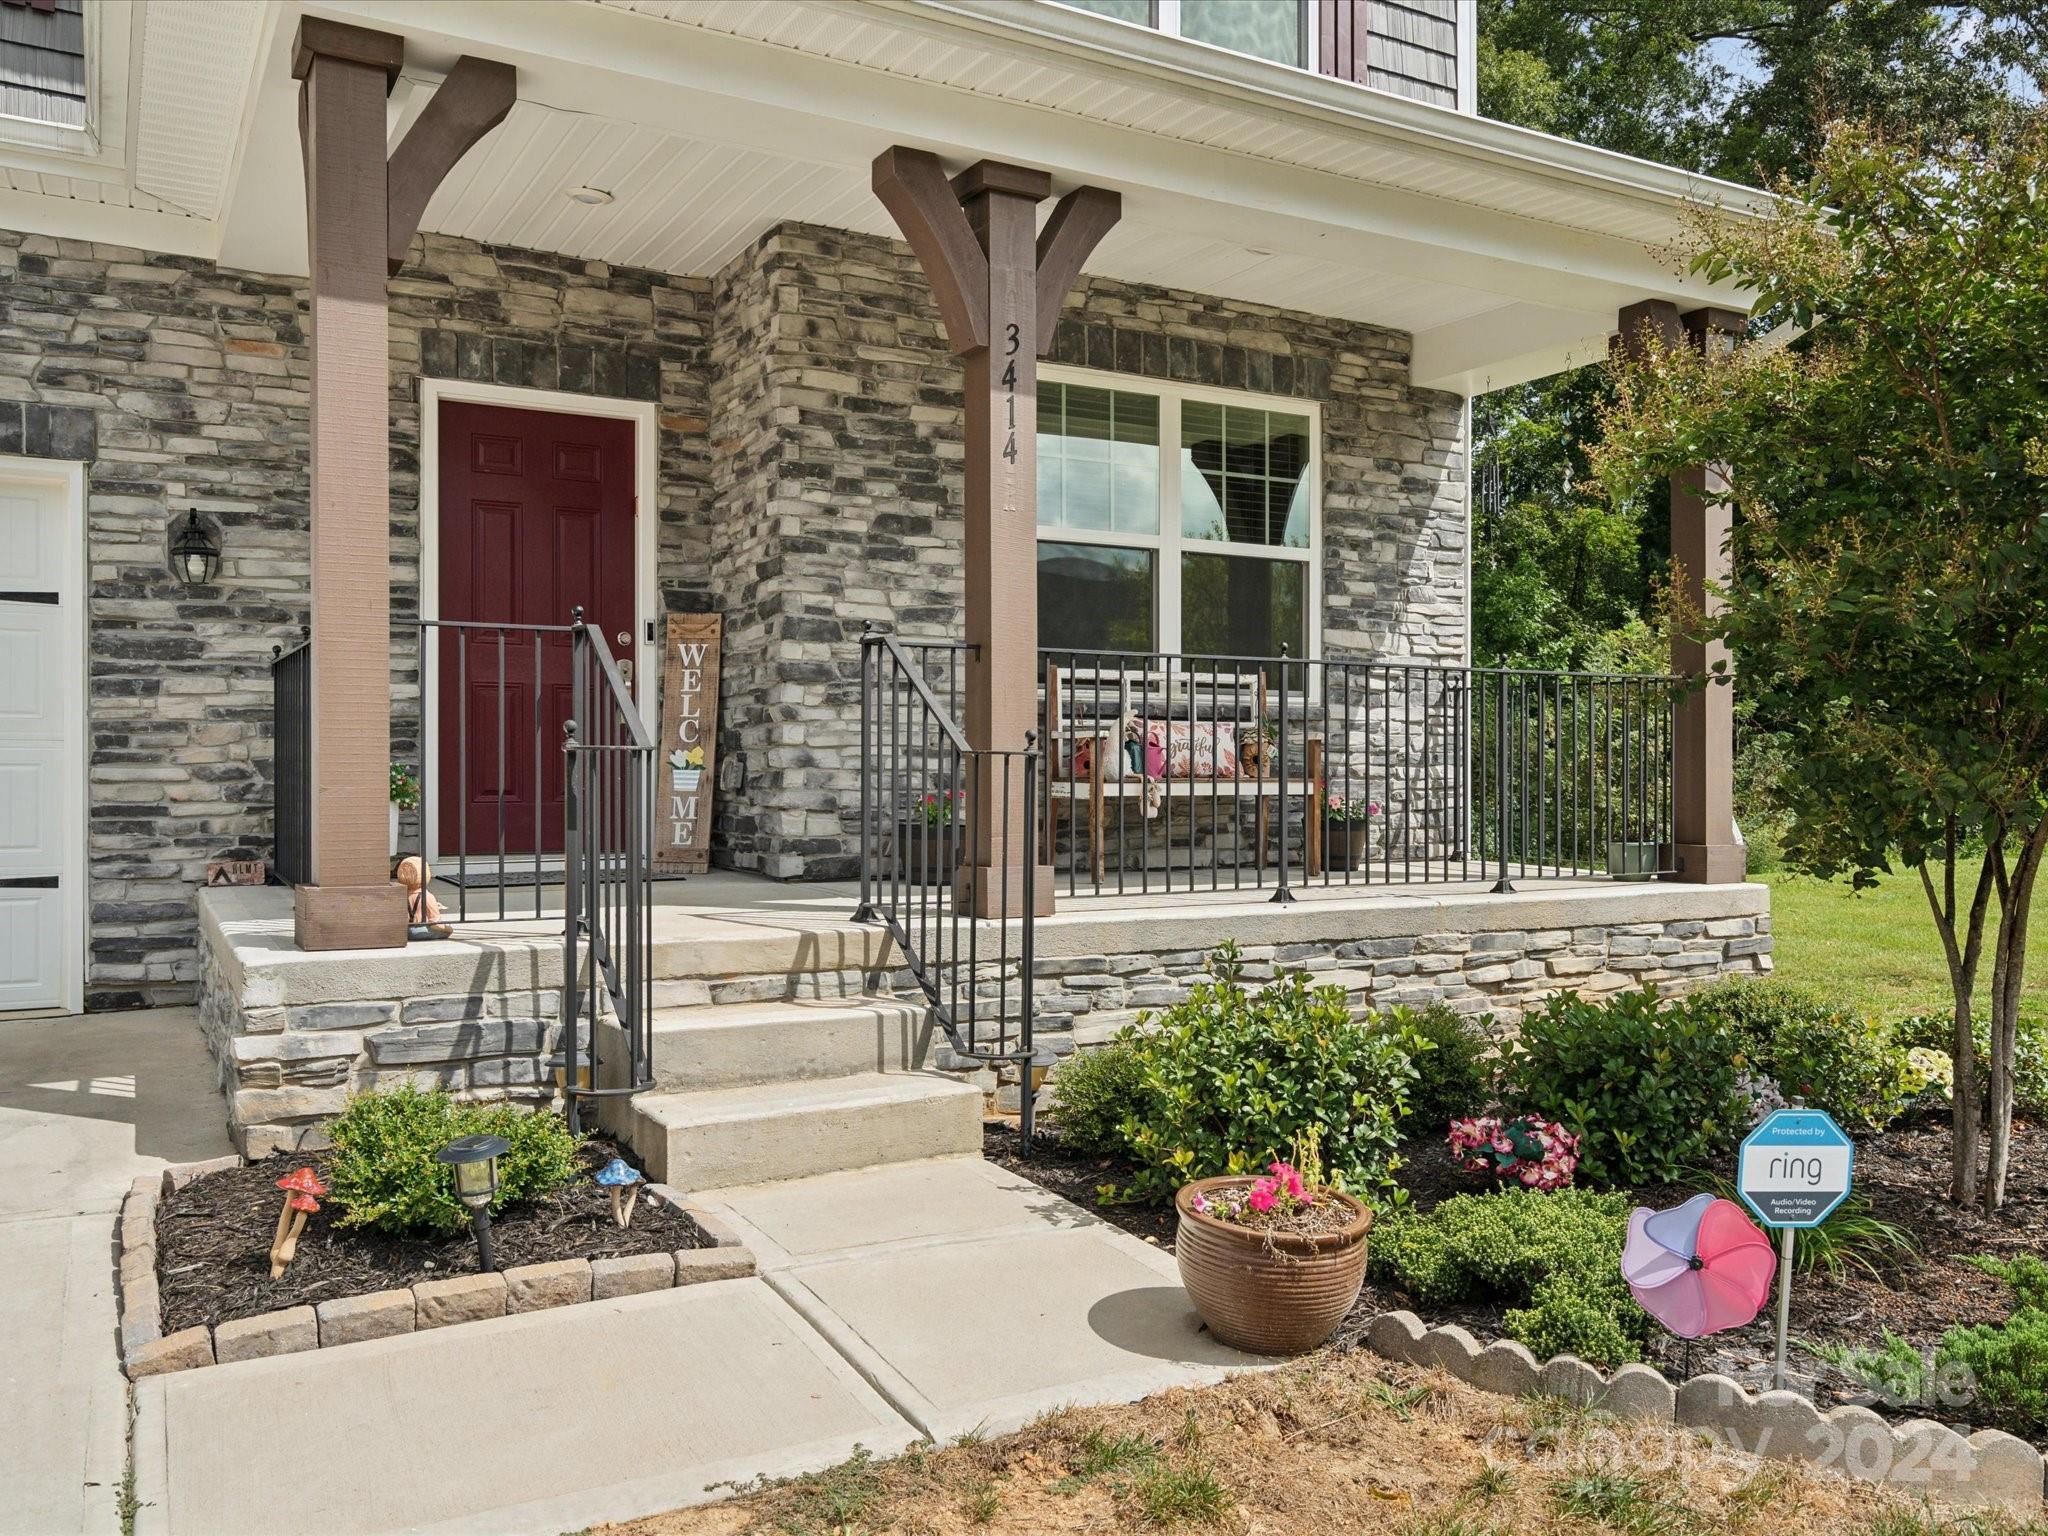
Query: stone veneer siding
(181, 384)
(810, 479)
(837, 481)
(1486, 970)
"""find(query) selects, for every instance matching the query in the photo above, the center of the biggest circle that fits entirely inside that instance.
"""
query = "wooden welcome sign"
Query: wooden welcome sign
(686, 757)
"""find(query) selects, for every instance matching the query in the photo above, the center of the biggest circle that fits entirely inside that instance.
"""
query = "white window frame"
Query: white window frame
(1166, 20)
(1169, 544)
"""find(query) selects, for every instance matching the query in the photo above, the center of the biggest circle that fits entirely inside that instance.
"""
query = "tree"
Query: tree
(1889, 606)
(1734, 88)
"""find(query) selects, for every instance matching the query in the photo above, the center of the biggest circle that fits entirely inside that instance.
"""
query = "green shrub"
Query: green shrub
(1834, 1058)
(1454, 1077)
(1232, 1077)
(383, 1173)
(2007, 1365)
(1094, 1091)
(1650, 1094)
(1936, 1031)
(1554, 1260)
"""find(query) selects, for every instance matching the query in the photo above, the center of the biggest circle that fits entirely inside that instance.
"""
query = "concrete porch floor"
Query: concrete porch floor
(733, 922)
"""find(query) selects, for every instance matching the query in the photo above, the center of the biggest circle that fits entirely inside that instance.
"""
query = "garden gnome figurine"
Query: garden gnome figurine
(422, 910)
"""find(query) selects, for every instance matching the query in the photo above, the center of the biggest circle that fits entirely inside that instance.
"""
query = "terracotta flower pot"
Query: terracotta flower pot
(1272, 1293)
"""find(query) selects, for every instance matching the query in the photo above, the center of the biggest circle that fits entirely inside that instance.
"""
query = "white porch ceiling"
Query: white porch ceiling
(1503, 253)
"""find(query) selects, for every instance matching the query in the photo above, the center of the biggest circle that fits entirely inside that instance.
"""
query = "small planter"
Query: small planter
(1633, 861)
(1344, 845)
(927, 854)
(1271, 1293)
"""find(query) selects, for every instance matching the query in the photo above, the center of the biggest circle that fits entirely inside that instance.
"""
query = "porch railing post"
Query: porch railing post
(1503, 885)
(865, 912)
(1284, 894)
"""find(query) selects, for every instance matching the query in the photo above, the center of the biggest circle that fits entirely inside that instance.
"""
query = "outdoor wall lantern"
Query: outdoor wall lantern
(195, 553)
(475, 1161)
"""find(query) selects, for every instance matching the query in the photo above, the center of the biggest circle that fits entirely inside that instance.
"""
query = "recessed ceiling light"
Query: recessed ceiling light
(596, 197)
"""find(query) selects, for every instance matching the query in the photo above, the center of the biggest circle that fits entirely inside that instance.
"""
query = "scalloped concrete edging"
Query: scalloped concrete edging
(147, 1351)
(1988, 1468)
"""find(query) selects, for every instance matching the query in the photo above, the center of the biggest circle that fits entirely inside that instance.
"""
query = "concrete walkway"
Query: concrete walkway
(86, 1104)
(899, 1303)
(918, 1300)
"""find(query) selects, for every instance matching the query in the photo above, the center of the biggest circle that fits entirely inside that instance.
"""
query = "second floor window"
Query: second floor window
(1266, 29)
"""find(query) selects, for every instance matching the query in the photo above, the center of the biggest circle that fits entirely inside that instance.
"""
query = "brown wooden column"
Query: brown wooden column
(359, 220)
(353, 902)
(998, 284)
(1703, 735)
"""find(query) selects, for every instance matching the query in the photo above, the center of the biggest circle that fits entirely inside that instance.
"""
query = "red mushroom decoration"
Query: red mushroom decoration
(299, 1186)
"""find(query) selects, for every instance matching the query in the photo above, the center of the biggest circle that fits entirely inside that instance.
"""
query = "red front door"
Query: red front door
(536, 519)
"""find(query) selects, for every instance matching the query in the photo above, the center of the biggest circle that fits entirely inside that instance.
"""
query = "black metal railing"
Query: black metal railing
(1170, 772)
(291, 704)
(608, 906)
(950, 845)
(489, 763)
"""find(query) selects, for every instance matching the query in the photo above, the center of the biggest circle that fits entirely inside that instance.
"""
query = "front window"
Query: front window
(1265, 29)
(1209, 549)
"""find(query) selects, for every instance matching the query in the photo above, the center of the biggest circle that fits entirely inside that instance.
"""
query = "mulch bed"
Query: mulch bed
(1903, 1173)
(213, 1242)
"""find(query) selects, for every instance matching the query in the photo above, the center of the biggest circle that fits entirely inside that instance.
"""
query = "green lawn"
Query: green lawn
(1877, 949)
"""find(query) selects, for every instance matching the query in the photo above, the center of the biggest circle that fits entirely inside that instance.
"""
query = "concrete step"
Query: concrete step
(712, 1138)
(733, 1045)
(801, 981)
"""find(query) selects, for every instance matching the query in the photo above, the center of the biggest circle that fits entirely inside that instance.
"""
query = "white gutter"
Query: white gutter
(1320, 99)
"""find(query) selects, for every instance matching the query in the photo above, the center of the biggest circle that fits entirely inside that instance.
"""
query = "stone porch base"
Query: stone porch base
(294, 1034)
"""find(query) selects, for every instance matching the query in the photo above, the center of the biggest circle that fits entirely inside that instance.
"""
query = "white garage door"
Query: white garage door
(41, 721)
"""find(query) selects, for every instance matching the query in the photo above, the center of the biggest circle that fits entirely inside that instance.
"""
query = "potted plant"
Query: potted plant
(935, 827)
(405, 796)
(1272, 1263)
(1632, 856)
(1346, 820)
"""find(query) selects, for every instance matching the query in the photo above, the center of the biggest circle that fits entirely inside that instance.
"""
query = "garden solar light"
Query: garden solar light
(475, 1161)
(299, 1186)
(621, 1178)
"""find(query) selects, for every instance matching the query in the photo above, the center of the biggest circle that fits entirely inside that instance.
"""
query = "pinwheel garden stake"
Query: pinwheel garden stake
(1699, 1267)
(299, 1186)
(621, 1178)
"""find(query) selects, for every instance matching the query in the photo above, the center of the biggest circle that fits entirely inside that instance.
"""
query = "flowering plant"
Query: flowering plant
(1539, 1153)
(938, 810)
(1342, 807)
(1286, 1194)
(405, 787)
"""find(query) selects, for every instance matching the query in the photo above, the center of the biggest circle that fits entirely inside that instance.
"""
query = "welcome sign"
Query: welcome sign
(686, 756)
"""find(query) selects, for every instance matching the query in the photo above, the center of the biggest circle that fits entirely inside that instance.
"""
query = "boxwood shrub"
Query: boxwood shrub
(1230, 1077)
(1835, 1058)
(1454, 1076)
(1650, 1093)
(383, 1175)
(1094, 1091)
(1553, 1260)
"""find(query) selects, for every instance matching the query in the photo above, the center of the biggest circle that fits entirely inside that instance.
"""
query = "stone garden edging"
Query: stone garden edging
(1989, 1467)
(147, 1351)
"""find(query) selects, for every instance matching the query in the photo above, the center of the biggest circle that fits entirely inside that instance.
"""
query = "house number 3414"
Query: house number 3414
(1010, 389)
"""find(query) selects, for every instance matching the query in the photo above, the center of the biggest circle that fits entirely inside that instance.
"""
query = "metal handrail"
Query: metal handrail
(608, 882)
(913, 752)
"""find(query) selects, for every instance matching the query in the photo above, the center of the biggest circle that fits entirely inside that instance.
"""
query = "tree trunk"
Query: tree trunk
(2008, 976)
(1963, 951)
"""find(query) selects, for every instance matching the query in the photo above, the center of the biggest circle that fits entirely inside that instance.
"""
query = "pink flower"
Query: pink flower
(1200, 1203)
(1262, 1197)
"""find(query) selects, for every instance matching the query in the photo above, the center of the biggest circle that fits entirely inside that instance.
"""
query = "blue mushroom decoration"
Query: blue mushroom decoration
(623, 1180)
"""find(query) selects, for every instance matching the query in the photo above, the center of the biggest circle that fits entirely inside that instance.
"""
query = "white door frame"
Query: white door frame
(69, 478)
(643, 414)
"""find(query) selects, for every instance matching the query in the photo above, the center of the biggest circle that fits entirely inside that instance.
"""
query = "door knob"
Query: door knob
(626, 673)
